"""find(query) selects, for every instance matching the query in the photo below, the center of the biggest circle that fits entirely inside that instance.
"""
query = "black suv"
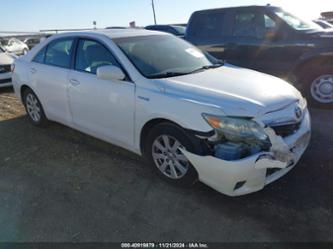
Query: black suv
(270, 40)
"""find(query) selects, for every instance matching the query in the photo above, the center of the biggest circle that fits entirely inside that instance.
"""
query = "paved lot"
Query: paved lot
(57, 184)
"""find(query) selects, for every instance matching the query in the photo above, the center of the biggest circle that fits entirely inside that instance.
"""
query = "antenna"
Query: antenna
(153, 6)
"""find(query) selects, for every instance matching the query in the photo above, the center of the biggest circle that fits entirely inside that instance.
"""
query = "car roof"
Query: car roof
(259, 7)
(114, 33)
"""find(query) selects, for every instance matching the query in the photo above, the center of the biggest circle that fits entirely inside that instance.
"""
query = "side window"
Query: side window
(270, 24)
(249, 24)
(91, 55)
(209, 25)
(39, 58)
(59, 53)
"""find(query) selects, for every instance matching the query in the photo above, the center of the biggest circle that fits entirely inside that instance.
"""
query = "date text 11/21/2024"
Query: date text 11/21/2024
(165, 245)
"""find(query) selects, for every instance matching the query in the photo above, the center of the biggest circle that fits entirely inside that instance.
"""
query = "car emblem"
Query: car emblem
(298, 113)
(2, 70)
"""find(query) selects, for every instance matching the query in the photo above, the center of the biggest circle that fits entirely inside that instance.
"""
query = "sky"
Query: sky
(35, 15)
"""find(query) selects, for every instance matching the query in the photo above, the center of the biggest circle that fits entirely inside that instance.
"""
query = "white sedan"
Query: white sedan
(6, 60)
(192, 117)
(15, 46)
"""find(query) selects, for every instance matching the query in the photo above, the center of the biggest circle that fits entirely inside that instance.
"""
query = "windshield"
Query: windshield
(159, 56)
(295, 22)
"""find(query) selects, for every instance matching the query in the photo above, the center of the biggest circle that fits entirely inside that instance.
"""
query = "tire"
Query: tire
(187, 176)
(318, 87)
(34, 109)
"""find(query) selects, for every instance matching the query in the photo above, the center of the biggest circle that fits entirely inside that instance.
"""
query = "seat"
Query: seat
(97, 56)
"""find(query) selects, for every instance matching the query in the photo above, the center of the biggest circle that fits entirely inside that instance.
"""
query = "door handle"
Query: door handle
(74, 82)
(33, 70)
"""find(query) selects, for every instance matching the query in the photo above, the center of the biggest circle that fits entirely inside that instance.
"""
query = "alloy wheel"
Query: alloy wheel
(33, 108)
(168, 157)
(322, 89)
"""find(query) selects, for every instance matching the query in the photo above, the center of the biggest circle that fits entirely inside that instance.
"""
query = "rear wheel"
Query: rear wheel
(163, 151)
(34, 108)
(319, 87)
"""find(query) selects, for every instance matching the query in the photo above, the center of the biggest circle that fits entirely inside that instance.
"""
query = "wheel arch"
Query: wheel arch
(148, 126)
(23, 89)
(313, 61)
(196, 136)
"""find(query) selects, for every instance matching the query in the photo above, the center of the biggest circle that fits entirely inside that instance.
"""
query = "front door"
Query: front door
(257, 43)
(102, 108)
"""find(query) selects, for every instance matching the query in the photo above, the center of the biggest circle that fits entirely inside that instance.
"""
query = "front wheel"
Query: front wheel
(319, 87)
(163, 151)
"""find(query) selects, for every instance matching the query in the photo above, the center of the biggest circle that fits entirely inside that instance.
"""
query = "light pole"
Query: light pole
(153, 6)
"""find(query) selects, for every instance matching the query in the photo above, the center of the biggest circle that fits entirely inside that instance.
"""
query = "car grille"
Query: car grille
(286, 130)
(5, 68)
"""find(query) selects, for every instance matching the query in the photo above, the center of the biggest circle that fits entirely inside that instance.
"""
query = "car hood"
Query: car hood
(237, 91)
(6, 59)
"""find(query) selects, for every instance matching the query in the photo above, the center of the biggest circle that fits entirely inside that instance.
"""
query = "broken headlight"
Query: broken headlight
(238, 130)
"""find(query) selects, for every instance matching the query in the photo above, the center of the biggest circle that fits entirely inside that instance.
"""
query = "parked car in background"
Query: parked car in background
(6, 60)
(324, 24)
(32, 41)
(270, 40)
(327, 16)
(14, 46)
(192, 117)
(171, 29)
(180, 24)
(117, 27)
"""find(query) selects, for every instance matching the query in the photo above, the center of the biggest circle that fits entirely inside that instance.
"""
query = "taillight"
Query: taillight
(12, 68)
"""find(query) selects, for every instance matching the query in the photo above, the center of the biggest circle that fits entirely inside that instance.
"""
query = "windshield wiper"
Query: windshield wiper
(216, 65)
(167, 75)
(174, 74)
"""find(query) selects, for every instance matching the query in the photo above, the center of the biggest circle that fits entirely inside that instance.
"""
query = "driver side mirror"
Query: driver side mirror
(110, 73)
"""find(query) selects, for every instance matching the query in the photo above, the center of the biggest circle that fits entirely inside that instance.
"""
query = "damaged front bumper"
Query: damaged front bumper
(236, 178)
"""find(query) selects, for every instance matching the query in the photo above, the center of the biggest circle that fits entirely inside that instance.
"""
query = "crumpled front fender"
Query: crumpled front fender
(249, 175)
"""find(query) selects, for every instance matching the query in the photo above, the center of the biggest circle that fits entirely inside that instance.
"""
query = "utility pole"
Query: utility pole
(153, 6)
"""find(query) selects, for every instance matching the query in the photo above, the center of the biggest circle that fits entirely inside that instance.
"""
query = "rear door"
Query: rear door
(102, 108)
(49, 73)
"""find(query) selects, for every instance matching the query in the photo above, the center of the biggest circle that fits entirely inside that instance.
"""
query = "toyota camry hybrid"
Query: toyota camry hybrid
(192, 117)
